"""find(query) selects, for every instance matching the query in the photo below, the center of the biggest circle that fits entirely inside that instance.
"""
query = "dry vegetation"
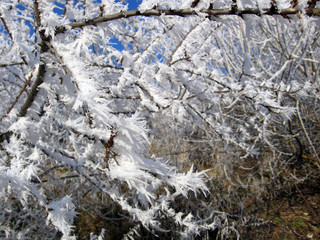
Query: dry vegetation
(269, 196)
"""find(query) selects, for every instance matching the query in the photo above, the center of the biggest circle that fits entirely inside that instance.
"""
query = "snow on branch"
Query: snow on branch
(95, 98)
(188, 12)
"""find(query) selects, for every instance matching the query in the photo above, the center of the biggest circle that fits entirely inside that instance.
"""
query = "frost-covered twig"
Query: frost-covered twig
(34, 90)
(20, 93)
(11, 64)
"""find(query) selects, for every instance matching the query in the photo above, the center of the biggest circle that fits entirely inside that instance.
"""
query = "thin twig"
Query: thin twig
(11, 37)
(180, 43)
(11, 64)
(106, 66)
(6, 26)
(19, 95)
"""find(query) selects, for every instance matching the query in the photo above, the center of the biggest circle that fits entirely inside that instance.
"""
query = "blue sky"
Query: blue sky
(133, 4)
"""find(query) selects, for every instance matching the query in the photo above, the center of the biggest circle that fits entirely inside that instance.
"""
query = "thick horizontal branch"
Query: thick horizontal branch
(187, 12)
